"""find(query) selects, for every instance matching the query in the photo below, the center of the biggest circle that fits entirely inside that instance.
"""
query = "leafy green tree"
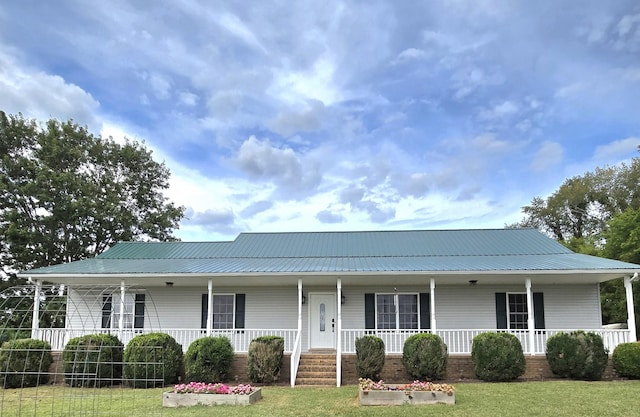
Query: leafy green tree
(67, 195)
(596, 214)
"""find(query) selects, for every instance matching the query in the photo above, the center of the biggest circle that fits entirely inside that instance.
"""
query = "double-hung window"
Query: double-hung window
(133, 316)
(517, 311)
(227, 311)
(223, 311)
(397, 311)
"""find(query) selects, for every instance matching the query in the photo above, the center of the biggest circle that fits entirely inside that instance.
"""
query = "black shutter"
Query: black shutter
(205, 307)
(425, 310)
(240, 301)
(369, 311)
(106, 311)
(501, 310)
(138, 312)
(538, 310)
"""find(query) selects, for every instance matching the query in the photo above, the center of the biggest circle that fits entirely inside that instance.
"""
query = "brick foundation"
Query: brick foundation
(459, 368)
(239, 370)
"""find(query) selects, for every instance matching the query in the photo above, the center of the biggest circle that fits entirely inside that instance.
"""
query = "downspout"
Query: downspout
(209, 306)
(35, 320)
(530, 320)
(631, 315)
(432, 307)
(339, 336)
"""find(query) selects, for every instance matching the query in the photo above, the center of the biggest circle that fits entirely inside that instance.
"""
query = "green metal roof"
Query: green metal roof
(343, 252)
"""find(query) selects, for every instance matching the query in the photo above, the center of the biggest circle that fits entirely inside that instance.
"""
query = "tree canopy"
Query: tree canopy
(597, 213)
(67, 195)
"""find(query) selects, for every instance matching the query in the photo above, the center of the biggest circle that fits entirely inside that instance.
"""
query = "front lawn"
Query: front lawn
(554, 398)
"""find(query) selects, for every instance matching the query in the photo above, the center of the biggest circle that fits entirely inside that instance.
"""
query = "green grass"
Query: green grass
(553, 398)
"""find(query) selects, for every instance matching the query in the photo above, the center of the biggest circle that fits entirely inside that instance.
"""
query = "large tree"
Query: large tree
(67, 195)
(597, 213)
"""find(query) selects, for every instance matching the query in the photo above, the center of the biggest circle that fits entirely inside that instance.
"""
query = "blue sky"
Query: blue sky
(339, 115)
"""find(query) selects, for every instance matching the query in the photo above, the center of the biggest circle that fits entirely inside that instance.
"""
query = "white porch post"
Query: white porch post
(209, 306)
(35, 323)
(339, 336)
(432, 307)
(631, 314)
(121, 318)
(530, 321)
(295, 355)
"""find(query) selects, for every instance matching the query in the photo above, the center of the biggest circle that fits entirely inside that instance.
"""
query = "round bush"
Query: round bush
(369, 357)
(626, 360)
(93, 360)
(577, 355)
(497, 357)
(424, 356)
(209, 359)
(25, 363)
(152, 360)
(265, 359)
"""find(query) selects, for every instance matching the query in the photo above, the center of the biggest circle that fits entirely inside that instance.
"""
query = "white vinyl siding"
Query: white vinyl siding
(457, 307)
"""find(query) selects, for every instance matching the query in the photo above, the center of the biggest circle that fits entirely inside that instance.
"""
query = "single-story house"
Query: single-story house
(323, 290)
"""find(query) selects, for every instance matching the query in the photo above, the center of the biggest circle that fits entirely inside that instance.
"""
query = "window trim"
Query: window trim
(397, 310)
(233, 310)
(129, 320)
(210, 313)
(526, 314)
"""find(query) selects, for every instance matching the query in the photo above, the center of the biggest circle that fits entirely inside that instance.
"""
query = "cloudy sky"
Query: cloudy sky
(339, 115)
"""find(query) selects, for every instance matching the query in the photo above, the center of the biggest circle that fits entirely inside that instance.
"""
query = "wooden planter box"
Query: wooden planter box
(171, 399)
(382, 397)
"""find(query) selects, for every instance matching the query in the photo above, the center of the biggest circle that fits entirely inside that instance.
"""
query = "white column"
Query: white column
(631, 314)
(432, 307)
(121, 319)
(299, 305)
(530, 321)
(209, 306)
(339, 335)
(35, 320)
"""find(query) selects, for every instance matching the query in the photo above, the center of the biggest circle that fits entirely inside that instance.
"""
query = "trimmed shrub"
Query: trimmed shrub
(209, 359)
(626, 360)
(265, 359)
(25, 363)
(152, 360)
(577, 355)
(369, 357)
(497, 357)
(424, 356)
(93, 360)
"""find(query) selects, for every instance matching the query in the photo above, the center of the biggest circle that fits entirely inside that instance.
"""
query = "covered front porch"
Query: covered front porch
(338, 334)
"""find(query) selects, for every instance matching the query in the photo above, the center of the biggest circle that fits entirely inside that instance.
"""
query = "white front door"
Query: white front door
(322, 320)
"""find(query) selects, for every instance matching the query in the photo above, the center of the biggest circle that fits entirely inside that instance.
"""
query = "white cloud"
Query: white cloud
(188, 99)
(235, 26)
(261, 160)
(614, 151)
(548, 155)
(316, 83)
(39, 95)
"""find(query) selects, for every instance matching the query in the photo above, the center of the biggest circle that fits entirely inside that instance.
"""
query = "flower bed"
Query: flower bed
(201, 393)
(417, 392)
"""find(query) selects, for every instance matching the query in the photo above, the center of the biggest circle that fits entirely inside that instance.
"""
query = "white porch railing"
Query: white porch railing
(240, 338)
(459, 341)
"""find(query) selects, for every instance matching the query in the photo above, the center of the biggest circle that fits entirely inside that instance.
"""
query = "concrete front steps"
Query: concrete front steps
(317, 369)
